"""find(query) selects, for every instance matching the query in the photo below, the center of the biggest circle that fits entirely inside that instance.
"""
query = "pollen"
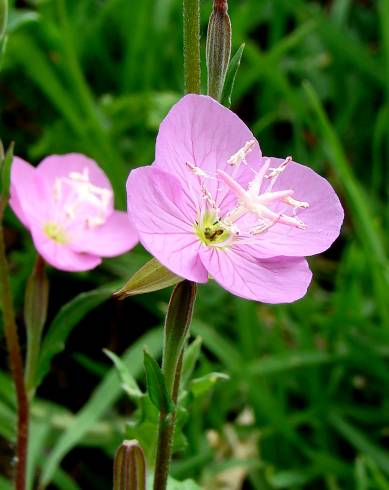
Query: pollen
(55, 233)
(210, 231)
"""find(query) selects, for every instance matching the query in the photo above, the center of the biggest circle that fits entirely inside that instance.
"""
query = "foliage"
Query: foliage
(306, 403)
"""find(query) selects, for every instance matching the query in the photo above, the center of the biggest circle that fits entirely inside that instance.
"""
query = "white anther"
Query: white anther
(196, 170)
(240, 155)
(296, 204)
(275, 172)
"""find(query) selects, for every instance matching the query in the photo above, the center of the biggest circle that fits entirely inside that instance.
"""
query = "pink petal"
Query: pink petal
(27, 193)
(115, 237)
(164, 217)
(274, 280)
(55, 166)
(323, 218)
(201, 131)
(61, 256)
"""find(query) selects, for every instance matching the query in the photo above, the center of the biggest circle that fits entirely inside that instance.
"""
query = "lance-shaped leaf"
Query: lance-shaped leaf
(151, 277)
(231, 76)
(203, 385)
(156, 385)
(129, 384)
(129, 467)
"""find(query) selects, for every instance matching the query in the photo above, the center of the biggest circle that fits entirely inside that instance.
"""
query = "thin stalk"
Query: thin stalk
(192, 69)
(35, 313)
(176, 332)
(16, 365)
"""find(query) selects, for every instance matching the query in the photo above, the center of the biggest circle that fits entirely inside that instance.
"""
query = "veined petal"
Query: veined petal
(323, 217)
(114, 237)
(61, 256)
(56, 166)
(202, 132)
(27, 193)
(164, 216)
(274, 280)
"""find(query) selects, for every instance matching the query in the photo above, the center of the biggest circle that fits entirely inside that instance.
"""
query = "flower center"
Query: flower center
(79, 204)
(55, 233)
(210, 230)
(253, 213)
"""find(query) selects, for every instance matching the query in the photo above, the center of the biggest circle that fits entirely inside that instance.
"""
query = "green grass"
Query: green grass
(307, 404)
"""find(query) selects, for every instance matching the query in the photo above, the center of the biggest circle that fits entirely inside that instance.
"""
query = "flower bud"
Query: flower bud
(129, 472)
(218, 48)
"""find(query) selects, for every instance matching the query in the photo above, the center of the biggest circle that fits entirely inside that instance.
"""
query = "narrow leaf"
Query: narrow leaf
(129, 385)
(232, 71)
(203, 385)
(62, 325)
(156, 385)
(191, 356)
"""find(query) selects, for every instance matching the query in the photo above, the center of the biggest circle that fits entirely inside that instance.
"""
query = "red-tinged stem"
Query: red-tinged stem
(16, 365)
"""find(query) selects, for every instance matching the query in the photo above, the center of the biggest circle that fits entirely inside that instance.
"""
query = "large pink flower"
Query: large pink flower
(212, 205)
(67, 204)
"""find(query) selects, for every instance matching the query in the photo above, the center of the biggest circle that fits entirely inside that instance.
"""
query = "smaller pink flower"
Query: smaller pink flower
(66, 203)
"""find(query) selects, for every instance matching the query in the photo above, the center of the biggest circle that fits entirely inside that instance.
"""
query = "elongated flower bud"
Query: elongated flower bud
(3, 17)
(129, 471)
(218, 48)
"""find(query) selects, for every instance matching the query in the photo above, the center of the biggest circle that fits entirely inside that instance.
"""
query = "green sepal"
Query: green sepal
(203, 385)
(156, 385)
(232, 71)
(129, 384)
(153, 276)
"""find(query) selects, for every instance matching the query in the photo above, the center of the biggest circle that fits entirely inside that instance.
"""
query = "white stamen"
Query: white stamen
(275, 172)
(82, 192)
(240, 155)
(197, 170)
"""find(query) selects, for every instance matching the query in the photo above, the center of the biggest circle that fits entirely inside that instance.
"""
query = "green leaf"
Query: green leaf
(129, 384)
(173, 484)
(151, 277)
(156, 385)
(62, 325)
(203, 385)
(232, 71)
(191, 356)
(101, 400)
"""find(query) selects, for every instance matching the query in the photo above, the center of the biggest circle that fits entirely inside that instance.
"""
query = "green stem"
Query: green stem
(177, 325)
(16, 365)
(192, 69)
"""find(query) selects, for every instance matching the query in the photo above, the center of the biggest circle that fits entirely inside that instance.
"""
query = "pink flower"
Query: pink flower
(67, 204)
(211, 205)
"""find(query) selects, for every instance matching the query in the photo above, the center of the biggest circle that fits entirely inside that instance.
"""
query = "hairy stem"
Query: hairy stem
(177, 325)
(192, 70)
(16, 365)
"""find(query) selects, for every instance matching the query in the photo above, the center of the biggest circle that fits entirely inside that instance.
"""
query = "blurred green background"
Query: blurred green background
(307, 402)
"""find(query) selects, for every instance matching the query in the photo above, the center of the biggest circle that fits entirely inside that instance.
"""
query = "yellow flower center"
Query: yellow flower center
(210, 230)
(55, 233)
